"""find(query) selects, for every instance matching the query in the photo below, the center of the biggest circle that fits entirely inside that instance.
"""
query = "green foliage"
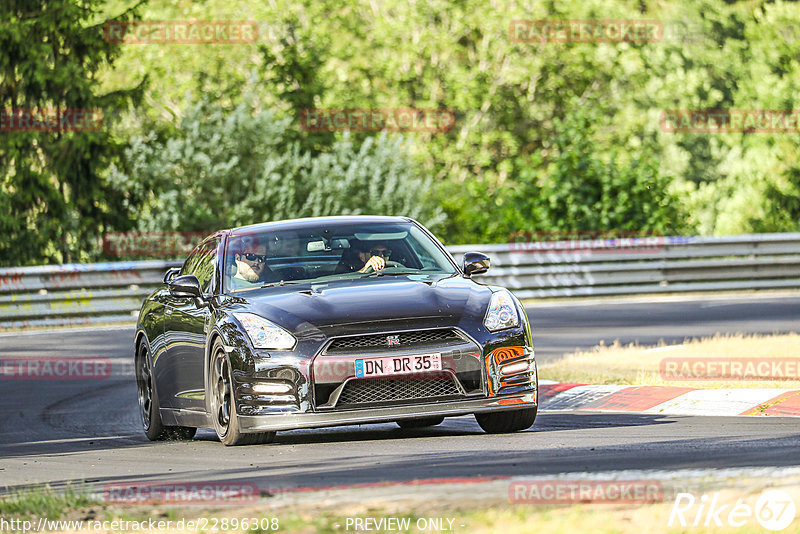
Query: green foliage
(43, 501)
(583, 192)
(54, 198)
(573, 189)
(227, 168)
(548, 136)
(783, 205)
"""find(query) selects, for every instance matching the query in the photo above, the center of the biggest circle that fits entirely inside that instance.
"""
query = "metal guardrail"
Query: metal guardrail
(644, 266)
(113, 292)
(77, 293)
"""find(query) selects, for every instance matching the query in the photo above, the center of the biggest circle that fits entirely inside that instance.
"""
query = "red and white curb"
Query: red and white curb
(668, 400)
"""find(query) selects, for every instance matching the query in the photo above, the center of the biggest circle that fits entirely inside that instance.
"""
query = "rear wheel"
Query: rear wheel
(506, 421)
(419, 423)
(223, 403)
(154, 428)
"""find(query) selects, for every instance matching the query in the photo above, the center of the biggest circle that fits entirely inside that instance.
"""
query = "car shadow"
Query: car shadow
(76, 443)
(452, 427)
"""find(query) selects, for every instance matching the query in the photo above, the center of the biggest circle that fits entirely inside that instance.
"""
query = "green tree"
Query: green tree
(228, 168)
(581, 191)
(500, 169)
(55, 200)
(508, 96)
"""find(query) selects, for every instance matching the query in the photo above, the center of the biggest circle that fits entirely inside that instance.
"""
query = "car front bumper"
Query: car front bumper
(293, 421)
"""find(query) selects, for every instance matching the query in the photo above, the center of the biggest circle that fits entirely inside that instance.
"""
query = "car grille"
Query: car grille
(404, 340)
(375, 390)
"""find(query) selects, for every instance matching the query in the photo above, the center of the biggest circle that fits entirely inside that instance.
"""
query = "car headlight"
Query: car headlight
(502, 312)
(265, 334)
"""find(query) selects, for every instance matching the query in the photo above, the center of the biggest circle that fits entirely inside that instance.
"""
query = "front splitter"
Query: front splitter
(294, 421)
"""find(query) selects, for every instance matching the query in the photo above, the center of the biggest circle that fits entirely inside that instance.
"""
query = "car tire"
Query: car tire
(506, 421)
(422, 422)
(223, 403)
(153, 426)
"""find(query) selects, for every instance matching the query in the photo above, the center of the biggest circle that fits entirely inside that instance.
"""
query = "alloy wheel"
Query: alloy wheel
(222, 390)
(144, 387)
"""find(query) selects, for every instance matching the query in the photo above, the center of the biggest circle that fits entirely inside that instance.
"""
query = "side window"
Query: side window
(201, 263)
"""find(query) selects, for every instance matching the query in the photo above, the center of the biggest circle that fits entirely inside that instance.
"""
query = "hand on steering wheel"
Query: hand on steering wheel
(376, 263)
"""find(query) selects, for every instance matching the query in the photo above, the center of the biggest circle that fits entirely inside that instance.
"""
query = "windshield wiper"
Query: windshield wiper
(285, 282)
(383, 273)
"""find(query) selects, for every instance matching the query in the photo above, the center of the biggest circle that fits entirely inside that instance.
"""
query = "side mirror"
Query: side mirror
(475, 263)
(170, 273)
(185, 286)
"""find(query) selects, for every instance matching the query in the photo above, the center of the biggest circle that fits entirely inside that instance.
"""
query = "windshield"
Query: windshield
(329, 253)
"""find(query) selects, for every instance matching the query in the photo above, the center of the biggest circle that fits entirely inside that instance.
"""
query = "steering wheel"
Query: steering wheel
(387, 263)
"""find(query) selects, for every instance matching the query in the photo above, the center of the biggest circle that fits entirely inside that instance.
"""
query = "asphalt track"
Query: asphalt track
(60, 431)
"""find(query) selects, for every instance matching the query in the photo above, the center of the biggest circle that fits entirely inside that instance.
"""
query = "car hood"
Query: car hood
(369, 305)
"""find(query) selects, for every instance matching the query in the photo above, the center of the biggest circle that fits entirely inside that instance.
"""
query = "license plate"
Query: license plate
(399, 365)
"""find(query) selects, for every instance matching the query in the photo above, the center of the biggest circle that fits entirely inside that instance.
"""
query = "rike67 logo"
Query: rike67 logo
(774, 510)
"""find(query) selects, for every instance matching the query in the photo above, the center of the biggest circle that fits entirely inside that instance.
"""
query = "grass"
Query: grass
(638, 365)
(502, 518)
(493, 513)
(487, 514)
(43, 501)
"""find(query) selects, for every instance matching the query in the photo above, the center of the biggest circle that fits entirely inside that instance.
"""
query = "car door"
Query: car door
(153, 323)
(185, 326)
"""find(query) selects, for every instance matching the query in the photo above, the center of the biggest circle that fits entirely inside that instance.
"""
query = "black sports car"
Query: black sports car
(330, 321)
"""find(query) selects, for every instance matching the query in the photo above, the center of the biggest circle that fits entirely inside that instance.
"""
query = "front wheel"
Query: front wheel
(506, 421)
(223, 403)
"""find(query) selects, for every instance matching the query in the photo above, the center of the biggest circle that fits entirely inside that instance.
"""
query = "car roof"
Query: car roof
(310, 222)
